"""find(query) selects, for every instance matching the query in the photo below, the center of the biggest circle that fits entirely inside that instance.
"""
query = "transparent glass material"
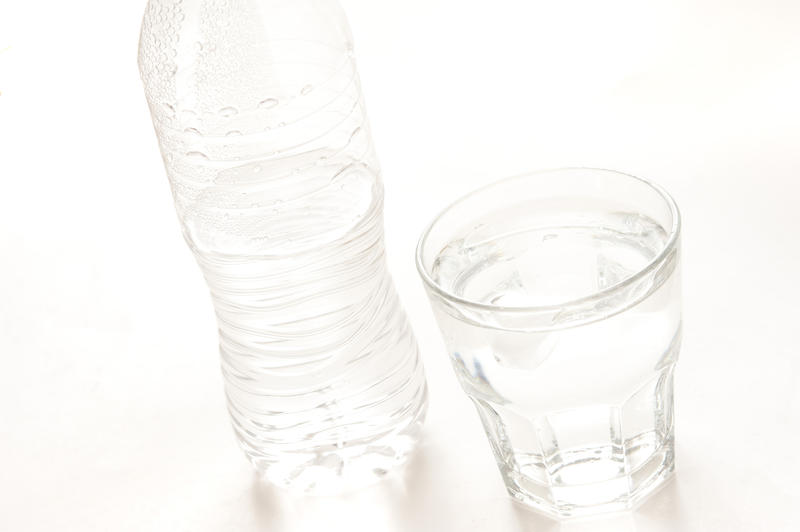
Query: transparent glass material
(558, 296)
(262, 127)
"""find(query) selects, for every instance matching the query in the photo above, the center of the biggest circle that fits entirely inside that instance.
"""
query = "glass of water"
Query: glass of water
(558, 296)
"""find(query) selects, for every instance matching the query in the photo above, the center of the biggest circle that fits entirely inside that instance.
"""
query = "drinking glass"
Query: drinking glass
(558, 297)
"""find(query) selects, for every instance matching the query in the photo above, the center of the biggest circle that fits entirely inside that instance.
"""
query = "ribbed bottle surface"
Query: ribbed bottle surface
(276, 184)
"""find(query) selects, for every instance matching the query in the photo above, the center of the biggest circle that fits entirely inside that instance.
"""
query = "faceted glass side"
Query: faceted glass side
(586, 460)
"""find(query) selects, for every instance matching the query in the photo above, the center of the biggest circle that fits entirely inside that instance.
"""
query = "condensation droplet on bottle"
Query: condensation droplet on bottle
(269, 103)
(305, 90)
(282, 124)
(192, 131)
(228, 112)
(170, 110)
(233, 133)
(198, 46)
(256, 169)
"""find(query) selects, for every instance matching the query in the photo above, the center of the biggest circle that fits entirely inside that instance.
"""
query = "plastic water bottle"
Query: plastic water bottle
(258, 111)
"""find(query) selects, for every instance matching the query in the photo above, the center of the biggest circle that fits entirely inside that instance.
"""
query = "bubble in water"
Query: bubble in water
(233, 133)
(305, 90)
(170, 110)
(269, 103)
(282, 124)
(256, 169)
(228, 112)
(198, 46)
(192, 131)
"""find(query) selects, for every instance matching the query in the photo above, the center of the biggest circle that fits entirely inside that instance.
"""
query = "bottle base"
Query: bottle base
(337, 470)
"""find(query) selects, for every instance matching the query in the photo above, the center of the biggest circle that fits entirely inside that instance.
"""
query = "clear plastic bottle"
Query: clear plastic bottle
(258, 111)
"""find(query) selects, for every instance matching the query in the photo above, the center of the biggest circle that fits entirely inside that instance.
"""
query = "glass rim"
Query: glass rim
(669, 245)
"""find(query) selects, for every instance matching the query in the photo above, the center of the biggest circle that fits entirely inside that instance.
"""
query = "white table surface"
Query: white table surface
(111, 406)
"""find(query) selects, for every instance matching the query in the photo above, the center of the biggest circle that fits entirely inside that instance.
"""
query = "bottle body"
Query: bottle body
(262, 127)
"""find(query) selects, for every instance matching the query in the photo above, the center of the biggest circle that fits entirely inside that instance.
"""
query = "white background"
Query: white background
(111, 405)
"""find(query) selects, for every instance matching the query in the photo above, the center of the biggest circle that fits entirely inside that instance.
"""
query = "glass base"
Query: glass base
(565, 496)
